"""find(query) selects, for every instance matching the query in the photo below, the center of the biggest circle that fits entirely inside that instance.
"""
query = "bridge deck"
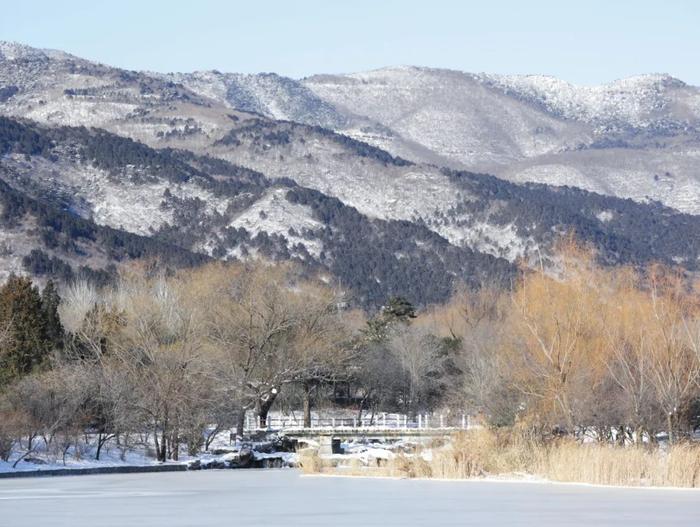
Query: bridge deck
(368, 432)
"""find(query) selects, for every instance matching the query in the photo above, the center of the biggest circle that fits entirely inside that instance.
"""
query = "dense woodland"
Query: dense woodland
(581, 350)
(634, 232)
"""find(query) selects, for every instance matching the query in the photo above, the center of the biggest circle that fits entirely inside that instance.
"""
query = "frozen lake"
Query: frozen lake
(283, 497)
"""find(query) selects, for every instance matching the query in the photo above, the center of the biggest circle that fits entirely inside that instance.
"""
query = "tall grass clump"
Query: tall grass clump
(676, 466)
(310, 462)
(484, 453)
(403, 466)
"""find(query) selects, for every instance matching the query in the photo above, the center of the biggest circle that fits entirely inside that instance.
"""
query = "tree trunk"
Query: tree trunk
(101, 440)
(240, 422)
(211, 436)
(264, 404)
(363, 403)
(163, 454)
(175, 454)
(157, 442)
(20, 458)
(65, 453)
(307, 404)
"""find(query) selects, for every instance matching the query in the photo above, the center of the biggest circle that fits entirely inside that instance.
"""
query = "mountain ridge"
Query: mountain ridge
(174, 158)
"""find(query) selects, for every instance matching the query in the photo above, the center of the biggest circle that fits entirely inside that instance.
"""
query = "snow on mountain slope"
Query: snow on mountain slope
(94, 194)
(282, 98)
(639, 101)
(56, 88)
(533, 128)
(670, 176)
(139, 200)
(267, 94)
(318, 159)
(449, 112)
(16, 243)
(16, 51)
(524, 128)
(274, 214)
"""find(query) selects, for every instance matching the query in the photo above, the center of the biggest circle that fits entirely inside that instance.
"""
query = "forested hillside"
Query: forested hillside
(78, 201)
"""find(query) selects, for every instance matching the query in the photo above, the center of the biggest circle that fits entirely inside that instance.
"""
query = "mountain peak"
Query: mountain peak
(14, 50)
(632, 100)
(10, 50)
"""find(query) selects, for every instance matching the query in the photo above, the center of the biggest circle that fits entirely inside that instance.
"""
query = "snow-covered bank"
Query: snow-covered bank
(265, 452)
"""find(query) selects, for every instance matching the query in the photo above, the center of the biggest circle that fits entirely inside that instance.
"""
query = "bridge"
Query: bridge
(385, 422)
(328, 439)
(328, 431)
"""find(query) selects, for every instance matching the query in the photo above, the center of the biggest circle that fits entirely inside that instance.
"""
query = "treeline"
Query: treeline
(165, 356)
(581, 351)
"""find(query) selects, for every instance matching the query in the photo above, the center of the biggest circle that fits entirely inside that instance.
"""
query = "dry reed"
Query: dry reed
(481, 453)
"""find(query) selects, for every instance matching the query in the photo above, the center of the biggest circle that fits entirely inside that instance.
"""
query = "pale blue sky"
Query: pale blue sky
(588, 41)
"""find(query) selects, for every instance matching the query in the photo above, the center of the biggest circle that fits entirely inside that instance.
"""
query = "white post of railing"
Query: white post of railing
(354, 422)
(333, 422)
(464, 422)
(442, 421)
(384, 419)
(420, 421)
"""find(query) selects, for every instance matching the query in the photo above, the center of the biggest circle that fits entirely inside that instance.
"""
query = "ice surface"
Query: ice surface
(283, 497)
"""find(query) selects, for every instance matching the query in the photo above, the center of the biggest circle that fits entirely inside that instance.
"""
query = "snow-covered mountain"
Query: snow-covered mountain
(637, 137)
(360, 177)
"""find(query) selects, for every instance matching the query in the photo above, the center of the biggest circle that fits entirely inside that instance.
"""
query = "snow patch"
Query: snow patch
(273, 214)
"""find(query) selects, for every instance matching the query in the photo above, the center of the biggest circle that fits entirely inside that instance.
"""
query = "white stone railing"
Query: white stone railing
(382, 420)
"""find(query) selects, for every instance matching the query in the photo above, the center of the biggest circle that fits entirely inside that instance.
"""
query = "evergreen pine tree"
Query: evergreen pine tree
(50, 301)
(22, 313)
(398, 310)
